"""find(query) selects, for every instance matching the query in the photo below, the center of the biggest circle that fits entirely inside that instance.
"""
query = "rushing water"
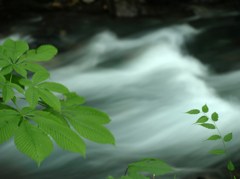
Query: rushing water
(146, 85)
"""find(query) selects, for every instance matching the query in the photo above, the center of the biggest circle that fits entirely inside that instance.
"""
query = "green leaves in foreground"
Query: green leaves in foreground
(32, 129)
(211, 124)
(51, 111)
(143, 168)
(88, 122)
(33, 142)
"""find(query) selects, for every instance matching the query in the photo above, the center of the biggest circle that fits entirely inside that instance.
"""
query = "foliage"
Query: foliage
(209, 122)
(149, 166)
(37, 112)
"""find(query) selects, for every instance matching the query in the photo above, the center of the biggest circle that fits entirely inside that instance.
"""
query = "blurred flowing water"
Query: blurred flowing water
(145, 84)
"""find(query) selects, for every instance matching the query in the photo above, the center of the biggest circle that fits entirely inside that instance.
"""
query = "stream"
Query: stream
(146, 81)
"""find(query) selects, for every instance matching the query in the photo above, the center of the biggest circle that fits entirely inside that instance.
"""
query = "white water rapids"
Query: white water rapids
(146, 85)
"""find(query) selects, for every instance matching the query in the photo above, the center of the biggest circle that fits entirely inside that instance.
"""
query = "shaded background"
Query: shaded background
(144, 62)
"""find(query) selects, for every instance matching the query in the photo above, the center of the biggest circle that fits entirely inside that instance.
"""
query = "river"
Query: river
(146, 82)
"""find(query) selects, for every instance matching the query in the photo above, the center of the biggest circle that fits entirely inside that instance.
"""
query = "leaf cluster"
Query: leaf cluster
(209, 122)
(36, 112)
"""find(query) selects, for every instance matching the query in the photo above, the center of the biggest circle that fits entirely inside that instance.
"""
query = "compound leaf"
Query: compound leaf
(33, 142)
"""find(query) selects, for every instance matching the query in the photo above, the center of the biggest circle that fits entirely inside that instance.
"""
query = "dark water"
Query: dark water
(146, 81)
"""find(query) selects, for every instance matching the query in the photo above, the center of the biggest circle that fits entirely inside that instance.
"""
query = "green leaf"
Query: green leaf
(53, 115)
(8, 112)
(63, 136)
(17, 87)
(42, 53)
(34, 67)
(202, 119)
(7, 93)
(214, 116)
(135, 176)
(92, 131)
(39, 77)
(4, 106)
(4, 62)
(2, 79)
(208, 125)
(152, 166)
(52, 86)
(33, 142)
(205, 108)
(193, 111)
(87, 113)
(214, 137)
(7, 128)
(32, 96)
(15, 48)
(230, 166)
(3, 54)
(20, 70)
(50, 99)
(25, 82)
(6, 70)
(26, 110)
(217, 152)
(228, 137)
(73, 99)
(8, 124)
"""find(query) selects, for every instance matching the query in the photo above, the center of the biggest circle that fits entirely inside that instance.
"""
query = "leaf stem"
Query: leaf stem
(224, 145)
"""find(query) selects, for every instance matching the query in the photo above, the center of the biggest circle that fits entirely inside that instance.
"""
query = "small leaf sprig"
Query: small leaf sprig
(210, 123)
(34, 115)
